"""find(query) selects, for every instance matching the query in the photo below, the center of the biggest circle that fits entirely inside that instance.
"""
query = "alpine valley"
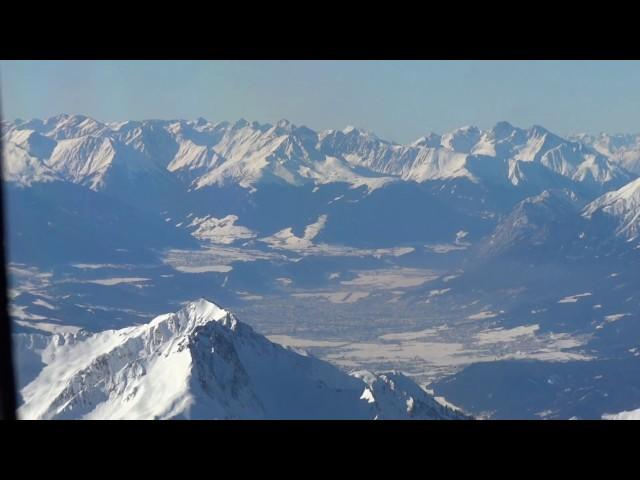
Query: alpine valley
(497, 269)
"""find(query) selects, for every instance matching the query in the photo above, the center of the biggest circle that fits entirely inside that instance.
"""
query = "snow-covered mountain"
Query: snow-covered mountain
(622, 207)
(201, 154)
(559, 223)
(24, 154)
(623, 149)
(497, 155)
(201, 362)
(542, 224)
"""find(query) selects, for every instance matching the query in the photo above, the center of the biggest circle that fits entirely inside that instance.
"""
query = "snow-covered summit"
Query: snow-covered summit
(201, 362)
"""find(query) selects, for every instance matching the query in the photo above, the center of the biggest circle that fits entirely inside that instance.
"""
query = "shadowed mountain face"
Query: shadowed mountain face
(53, 223)
(474, 249)
(540, 390)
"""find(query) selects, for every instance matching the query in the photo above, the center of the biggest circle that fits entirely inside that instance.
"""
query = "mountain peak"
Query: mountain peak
(240, 124)
(538, 130)
(502, 130)
(200, 122)
(202, 311)
(58, 118)
(622, 206)
(183, 365)
(284, 123)
(503, 124)
(467, 129)
(462, 139)
(355, 131)
(430, 140)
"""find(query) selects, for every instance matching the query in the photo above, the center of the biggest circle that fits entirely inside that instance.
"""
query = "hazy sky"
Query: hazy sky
(398, 100)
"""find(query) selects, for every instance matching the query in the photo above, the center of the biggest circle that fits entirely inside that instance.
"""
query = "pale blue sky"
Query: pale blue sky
(399, 100)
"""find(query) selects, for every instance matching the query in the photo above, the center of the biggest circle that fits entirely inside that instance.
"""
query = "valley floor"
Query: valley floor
(377, 310)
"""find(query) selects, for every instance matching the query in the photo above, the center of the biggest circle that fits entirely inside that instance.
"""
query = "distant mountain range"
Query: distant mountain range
(82, 150)
(273, 177)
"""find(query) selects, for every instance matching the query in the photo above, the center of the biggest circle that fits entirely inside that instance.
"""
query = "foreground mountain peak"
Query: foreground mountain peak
(200, 362)
(201, 312)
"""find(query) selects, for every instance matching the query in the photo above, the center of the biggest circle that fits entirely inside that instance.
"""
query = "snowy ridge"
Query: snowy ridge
(623, 149)
(23, 157)
(623, 206)
(282, 153)
(532, 223)
(202, 154)
(23, 169)
(83, 160)
(202, 363)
